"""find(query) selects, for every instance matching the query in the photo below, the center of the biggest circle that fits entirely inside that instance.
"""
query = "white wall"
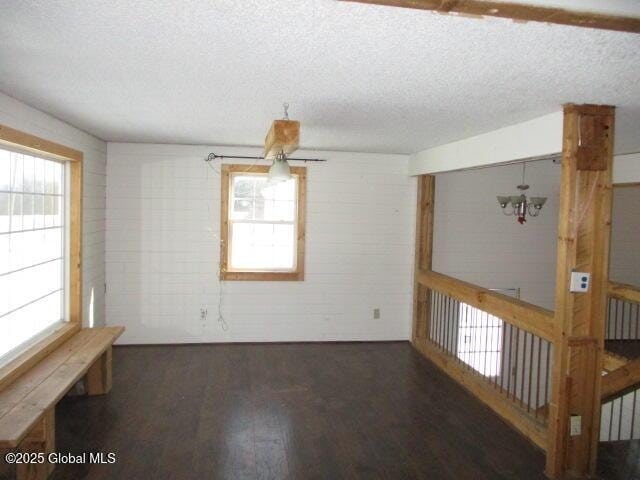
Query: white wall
(475, 242)
(163, 210)
(625, 235)
(20, 116)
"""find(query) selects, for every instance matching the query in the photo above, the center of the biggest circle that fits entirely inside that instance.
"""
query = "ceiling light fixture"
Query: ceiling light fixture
(519, 205)
(280, 170)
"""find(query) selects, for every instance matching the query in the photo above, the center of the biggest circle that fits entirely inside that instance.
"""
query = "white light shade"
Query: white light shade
(538, 202)
(279, 171)
(516, 200)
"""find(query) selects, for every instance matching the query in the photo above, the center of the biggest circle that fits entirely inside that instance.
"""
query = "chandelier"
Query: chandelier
(519, 205)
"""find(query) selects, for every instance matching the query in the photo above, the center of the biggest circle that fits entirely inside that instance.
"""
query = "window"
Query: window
(262, 229)
(32, 247)
(40, 249)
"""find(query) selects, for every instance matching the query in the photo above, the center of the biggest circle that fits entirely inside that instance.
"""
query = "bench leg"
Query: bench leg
(98, 377)
(41, 440)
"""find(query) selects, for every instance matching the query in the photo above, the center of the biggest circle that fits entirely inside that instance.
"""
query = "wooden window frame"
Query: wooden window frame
(16, 139)
(298, 274)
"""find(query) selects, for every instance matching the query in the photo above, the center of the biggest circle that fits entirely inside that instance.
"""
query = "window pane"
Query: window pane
(16, 212)
(4, 212)
(16, 172)
(31, 257)
(39, 175)
(262, 246)
(278, 202)
(243, 186)
(29, 174)
(254, 199)
(20, 250)
(5, 169)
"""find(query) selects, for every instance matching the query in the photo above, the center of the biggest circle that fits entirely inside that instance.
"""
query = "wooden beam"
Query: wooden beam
(423, 257)
(520, 12)
(526, 316)
(539, 137)
(613, 362)
(283, 136)
(621, 380)
(584, 232)
(625, 292)
(526, 424)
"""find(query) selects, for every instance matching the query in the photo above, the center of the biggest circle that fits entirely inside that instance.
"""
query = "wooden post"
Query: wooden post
(41, 440)
(583, 246)
(424, 245)
(99, 375)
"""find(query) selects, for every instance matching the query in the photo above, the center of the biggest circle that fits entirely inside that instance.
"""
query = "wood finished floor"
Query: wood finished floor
(298, 411)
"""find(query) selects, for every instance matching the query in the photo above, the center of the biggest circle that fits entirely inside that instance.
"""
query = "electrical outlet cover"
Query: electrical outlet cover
(576, 425)
(580, 282)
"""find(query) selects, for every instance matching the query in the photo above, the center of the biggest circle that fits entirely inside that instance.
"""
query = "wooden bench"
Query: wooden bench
(27, 405)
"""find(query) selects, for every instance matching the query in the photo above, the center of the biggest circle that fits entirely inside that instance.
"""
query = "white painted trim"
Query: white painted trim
(539, 137)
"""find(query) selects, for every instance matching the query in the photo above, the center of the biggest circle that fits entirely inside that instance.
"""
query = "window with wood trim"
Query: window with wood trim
(40, 248)
(32, 247)
(263, 224)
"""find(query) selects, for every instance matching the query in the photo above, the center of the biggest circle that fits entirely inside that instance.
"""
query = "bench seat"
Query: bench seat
(27, 405)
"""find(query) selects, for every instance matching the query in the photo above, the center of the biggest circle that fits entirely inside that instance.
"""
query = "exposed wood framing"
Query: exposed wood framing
(583, 245)
(283, 136)
(622, 379)
(613, 361)
(526, 316)
(519, 12)
(424, 246)
(225, 273)
(625, 292)
(529, 426)
(38, 146)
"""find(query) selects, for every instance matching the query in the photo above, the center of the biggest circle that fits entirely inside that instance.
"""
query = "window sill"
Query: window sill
(36, 352)
(263, 276)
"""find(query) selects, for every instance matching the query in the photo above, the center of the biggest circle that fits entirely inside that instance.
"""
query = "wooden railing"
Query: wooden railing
(496, 346)
(526, 316)
(623, 312)
(620, 392)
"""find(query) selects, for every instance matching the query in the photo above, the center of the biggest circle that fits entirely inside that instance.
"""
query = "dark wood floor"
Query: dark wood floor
(299, 411)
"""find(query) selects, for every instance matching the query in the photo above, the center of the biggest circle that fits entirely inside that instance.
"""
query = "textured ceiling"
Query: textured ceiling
(359, 77)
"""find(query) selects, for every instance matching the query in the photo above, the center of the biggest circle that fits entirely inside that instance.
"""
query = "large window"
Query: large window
(33, 246)
(262, 225)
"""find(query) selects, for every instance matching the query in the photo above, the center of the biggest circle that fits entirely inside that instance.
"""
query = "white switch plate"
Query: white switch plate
(579, 282)
(576, 425)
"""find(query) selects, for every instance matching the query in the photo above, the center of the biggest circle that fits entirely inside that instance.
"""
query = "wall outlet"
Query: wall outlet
(376, 313)
(576, 425)
(579, 282)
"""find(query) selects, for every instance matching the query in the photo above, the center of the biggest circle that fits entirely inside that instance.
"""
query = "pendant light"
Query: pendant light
(520, 205)
(279, 171)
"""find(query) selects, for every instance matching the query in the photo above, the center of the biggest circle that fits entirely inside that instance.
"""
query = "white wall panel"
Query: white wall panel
(163, 215)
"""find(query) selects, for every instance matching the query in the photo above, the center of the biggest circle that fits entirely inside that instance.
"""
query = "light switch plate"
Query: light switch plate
(576, 425)
(579, 282)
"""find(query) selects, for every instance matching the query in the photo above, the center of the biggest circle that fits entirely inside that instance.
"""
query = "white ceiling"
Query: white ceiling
(359, 77)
